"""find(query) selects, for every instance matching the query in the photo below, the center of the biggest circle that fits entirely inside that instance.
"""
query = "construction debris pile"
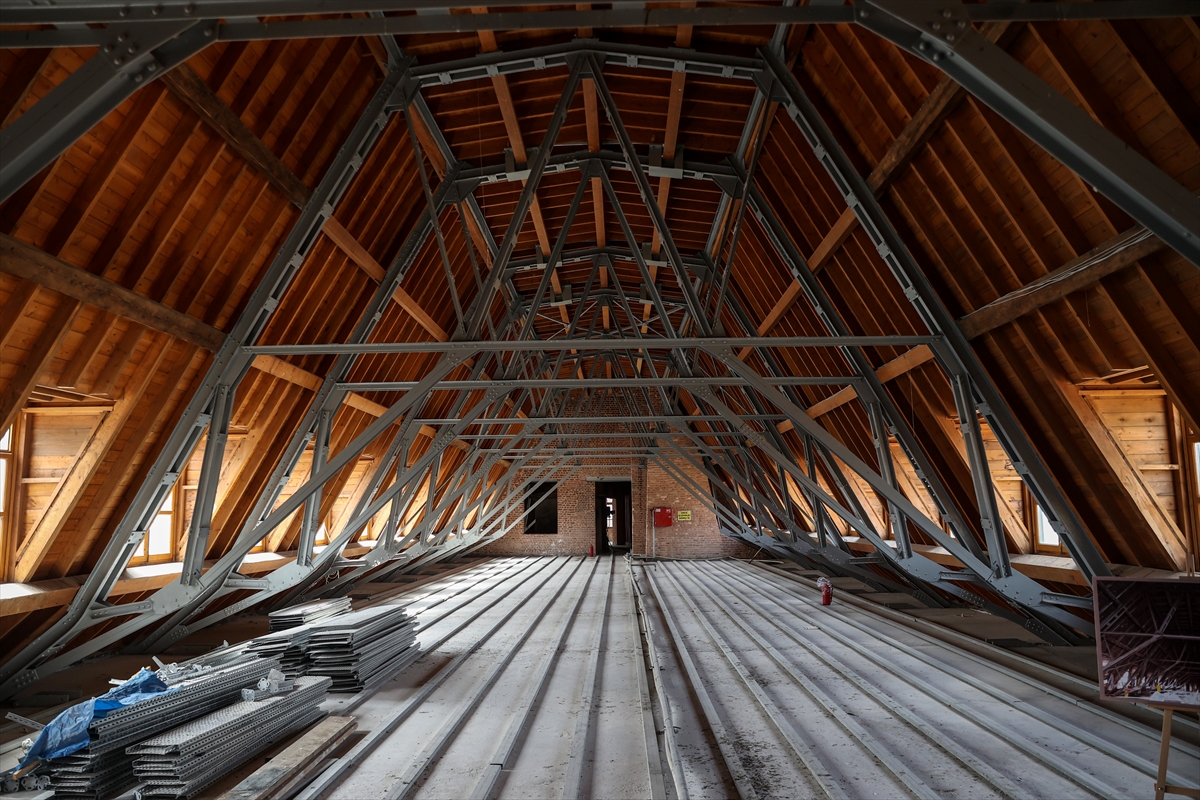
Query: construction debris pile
(357, 650)
(305, 613)
(188, 758)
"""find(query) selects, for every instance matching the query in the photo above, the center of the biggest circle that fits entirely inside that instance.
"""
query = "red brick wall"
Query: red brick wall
(699, 538)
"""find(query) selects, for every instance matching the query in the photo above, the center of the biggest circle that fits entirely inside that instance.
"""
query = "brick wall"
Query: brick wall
(576, 517)
(699, 538)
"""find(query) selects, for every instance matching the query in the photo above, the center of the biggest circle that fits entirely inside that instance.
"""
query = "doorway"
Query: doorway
(614, 516)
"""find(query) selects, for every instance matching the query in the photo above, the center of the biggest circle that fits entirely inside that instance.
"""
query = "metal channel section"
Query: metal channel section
(840, 701)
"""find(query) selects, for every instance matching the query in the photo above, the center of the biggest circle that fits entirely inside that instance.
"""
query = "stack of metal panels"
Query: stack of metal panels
(103, 767)
(189, 758)
(305, 613)
(361, 649)
(288, 647)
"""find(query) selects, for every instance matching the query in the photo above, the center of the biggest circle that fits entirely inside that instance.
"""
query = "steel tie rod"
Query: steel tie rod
(889, 760)
(733, 762)
(1150, 733)
(1081, 734)
(586, 696)
(516, 726)
(669, 743)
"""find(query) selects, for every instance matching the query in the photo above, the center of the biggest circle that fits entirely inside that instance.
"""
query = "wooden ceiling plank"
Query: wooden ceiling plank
(1083, 83)
(91, 342)
(114, 365)
(14, 308)
(1128, 291)
(42, 536)
(16, 391)
(1159, 74)
(187, 86)
(81, 205)
(20, 82)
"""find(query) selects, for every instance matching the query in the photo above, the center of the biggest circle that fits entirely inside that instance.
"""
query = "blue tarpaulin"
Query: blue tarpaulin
(68, 732)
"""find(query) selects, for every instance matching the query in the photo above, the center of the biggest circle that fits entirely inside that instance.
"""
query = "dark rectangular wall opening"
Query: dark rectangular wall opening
(614, 516)
(542, 507)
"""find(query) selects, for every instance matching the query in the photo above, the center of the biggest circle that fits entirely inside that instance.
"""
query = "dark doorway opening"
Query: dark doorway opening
(614, 516)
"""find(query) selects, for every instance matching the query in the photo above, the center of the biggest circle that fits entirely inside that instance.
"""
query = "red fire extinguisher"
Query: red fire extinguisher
(592, 551)
(826, 591)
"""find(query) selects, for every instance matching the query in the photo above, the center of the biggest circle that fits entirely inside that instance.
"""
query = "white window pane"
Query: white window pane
(1196, 452)
(6, 440)
(1046, 534)
(160, 535)
(4, 485)
(167, 503)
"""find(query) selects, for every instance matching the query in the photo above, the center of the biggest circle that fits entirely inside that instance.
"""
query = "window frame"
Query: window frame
(542, 490)
(143, 557)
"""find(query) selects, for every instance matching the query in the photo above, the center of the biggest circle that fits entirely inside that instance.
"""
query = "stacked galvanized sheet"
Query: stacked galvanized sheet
(362, 649)
(305, 613)
(358, 650)
(287, 646)
(103, 767)
(188, 758)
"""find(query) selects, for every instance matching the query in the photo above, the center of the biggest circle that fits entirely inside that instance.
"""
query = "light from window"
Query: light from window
(159, 535)
(158, 544)
(1196, 453)
(5, 458)
(611, 506)
(1046, 534)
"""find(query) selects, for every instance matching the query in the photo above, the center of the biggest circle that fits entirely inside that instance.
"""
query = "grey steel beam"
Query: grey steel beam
(596, 383)
(482, 304)
(1017, 588)
(131, 55)
(242, 26)
(656, 343)
(647, 194)
(941, 33)
(206, 487)
(953, 350)
(228, 365)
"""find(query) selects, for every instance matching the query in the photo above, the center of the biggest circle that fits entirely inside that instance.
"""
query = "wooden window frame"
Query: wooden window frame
(143, 558)
(11, 498)
(1030, 508)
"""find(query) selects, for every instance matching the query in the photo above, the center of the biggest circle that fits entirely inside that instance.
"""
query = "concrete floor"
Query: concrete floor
(577, 677)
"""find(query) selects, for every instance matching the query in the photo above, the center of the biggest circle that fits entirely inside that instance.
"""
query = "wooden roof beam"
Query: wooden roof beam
(191, 88)
(185, 83)
(1077, 274)
(341, 237)
(933, 111)
(508, 111)
(25, 261)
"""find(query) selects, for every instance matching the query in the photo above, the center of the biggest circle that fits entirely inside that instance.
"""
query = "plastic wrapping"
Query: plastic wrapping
(68, 732)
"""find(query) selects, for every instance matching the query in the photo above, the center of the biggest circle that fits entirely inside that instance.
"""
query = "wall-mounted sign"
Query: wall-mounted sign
(1146, 640)
(683, 516)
